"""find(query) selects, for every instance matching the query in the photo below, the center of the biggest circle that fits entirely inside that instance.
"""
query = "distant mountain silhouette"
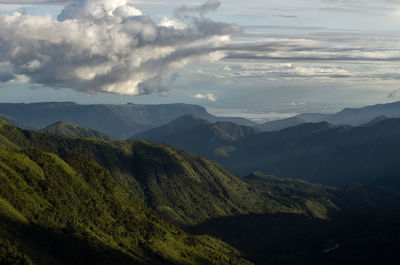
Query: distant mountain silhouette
(117, 121)
(355, 116)
(280, 124)
(348, 116)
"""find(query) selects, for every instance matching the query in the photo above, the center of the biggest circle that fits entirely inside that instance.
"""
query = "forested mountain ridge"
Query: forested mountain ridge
(271, 220)
(55, 211)
(194, 134)
(318, 152)
(65, 128)
(186, 188)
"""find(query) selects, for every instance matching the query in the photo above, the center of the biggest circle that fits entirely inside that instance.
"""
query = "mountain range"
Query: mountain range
(348, 116)
(117, 121)
(125, 121)
(318, 152)
(70, 195)
(356, 116)
(69, 200)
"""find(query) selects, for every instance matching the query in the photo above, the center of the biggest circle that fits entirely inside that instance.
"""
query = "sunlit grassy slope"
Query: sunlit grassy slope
(73, 212)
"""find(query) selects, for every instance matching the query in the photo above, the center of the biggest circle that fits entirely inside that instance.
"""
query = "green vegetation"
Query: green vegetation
(11, 255)
(65, 128)
(75, 203)
(187, 189)
(93, 194)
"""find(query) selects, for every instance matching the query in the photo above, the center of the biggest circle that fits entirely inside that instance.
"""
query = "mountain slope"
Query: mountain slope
(194, 134)
(317, 152)
(65, 128)
(323, 153)
(15, 122)
(375, 121)
(363, 231)
(72, 211)
(280, 124)
(117, 121)
(356, 116)
(185, 188)
(271, 220)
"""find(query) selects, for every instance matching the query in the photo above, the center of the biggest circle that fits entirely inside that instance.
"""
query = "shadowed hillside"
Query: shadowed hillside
(323, 153)
(65, 128)
(317, 152)
(194, 134)
(269, 219)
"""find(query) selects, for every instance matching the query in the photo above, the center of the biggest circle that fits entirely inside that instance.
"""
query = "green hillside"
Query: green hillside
(65, 128)
(270, 220)
(185, 188)
(71, 211)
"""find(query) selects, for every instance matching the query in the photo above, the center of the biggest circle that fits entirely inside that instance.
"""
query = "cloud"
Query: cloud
(343, 1)
(6, 74)
(208, 96)
(32, 2)
(109, 46)
(284, 27)
(311, 50)
(257, 14)
(186, 12)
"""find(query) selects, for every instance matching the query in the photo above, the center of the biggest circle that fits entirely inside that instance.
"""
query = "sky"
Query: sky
(258, 59)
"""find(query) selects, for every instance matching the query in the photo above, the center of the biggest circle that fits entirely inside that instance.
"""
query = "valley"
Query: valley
(200, 197)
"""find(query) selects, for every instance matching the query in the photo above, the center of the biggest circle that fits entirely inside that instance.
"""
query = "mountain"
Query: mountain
(71, 211)
(197, 135)
(356, 116)
(375, 121)
(315, 117)
(351, 235)
(187, 189)
(15, 122)
(348, 116)
(280, 124)
(323, 153)
(65, 128)
(271, 220)
(318, 152)
(117, 121)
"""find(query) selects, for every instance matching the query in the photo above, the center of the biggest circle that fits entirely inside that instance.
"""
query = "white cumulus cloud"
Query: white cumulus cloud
(208, 96)
(107, 46)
